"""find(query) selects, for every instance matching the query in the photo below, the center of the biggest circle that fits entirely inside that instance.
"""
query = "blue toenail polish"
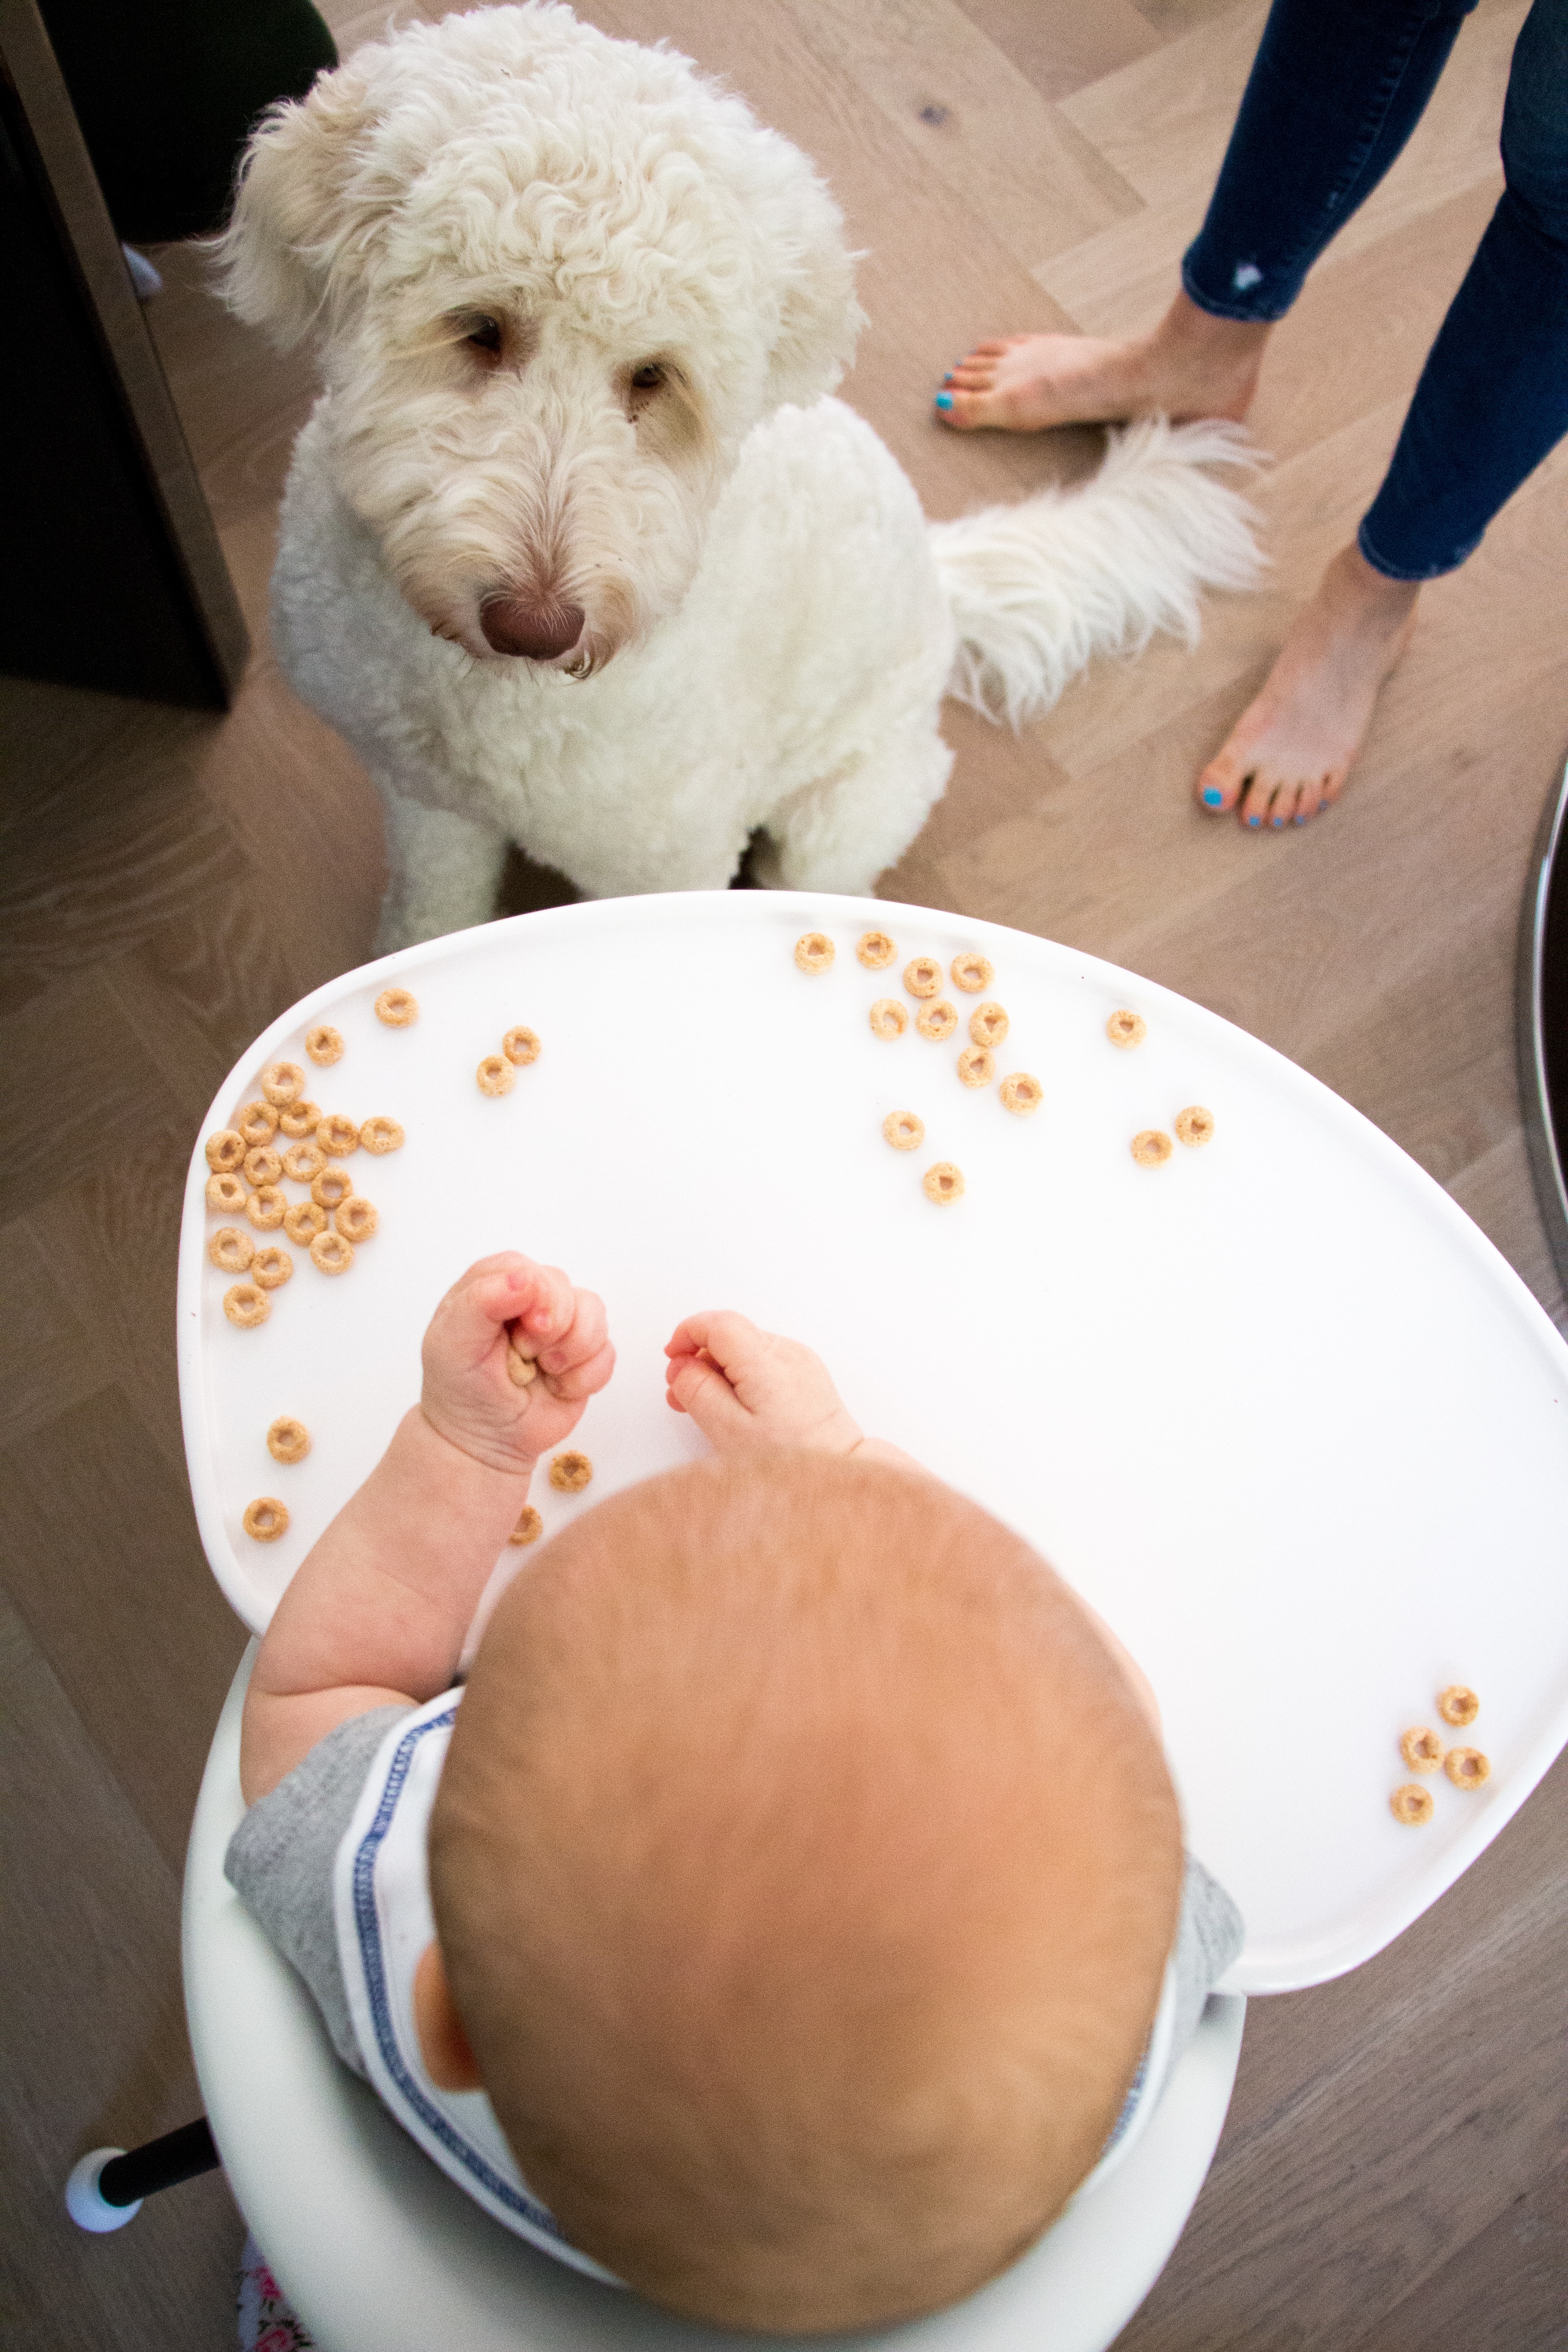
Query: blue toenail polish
(1213, 796)
(1255, 822)
(1301, 816)
(1277, 822)
(944, 400)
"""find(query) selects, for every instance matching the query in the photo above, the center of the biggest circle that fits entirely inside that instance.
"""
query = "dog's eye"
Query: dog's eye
(648, 377)
(484, 335)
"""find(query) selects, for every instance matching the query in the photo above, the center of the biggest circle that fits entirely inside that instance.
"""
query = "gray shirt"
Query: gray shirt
(281, 1861)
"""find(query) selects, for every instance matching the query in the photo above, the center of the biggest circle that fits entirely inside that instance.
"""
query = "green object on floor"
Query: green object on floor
(166, 92)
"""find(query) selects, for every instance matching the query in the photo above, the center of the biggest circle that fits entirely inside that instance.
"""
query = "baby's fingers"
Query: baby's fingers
(699, 1388)
(582, 1337)
(582, 1379)
(544, 1315)
(732, 1340)
(463, 1328)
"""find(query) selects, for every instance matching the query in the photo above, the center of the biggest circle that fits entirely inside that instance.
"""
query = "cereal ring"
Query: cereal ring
(267, 1208)
(267, 1519)
(324, 1044)
(297, 1121)
(331, 1188)
(336, 1135)
(247, 1305)
(520, 1046)
(397, 1008)
(976, 1066)
(303, 1221)
(528, 1528)
(496, 1074)
(1021, 1093)
(226, 1195)
(257, 1123)
(332, 1253)
(1195, 1124)
(303, 1162)
(380, 1134)
(1458, 1705)
(922, 976)
(230, 1249)
(283, 1083)
(903, 1131)
(938, 1021)
(1126, 1029)
(1467, 1767)
(1422, 1751)
(888, 1018)
(944, 1183)
(271, 1267)
(263, 1167)
(356, 1219)
(988, 1024)
(1150, 1147)
(521, 1370)
(288, 1440)
(570, 1473)
(814, 952)
(226, 1152)
(972, 974)
(1411, 1805)
(875, 949)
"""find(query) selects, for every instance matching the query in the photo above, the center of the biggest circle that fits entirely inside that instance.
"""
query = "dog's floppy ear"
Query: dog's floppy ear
(819, 318)
(308, 200)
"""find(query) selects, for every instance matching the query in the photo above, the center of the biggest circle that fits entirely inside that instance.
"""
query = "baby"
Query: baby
(789, 1910)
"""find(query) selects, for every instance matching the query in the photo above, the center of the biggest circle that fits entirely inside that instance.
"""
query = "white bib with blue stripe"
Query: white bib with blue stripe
(382, 1894)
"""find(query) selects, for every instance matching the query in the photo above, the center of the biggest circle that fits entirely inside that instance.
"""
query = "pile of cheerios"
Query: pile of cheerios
(282, 1140)
(1424, 1749)
(937, 1019)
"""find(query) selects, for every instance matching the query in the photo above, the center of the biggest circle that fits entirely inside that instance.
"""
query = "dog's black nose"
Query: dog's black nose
(539, 631)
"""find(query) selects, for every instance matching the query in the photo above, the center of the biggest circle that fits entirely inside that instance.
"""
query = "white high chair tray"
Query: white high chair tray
(1276, 1408)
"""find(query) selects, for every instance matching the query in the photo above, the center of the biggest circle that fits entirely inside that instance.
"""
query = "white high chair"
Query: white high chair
(381, 2252)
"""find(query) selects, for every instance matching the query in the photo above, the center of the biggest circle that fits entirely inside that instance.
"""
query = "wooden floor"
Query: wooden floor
(1394, 2171)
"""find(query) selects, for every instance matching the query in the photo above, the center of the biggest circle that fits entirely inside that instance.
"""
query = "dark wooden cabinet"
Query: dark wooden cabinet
(111, 575)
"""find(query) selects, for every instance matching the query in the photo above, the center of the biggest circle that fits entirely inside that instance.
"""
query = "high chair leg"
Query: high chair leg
(106, 2186)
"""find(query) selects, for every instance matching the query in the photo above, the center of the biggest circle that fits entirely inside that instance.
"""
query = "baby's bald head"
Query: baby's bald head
(804, 1871)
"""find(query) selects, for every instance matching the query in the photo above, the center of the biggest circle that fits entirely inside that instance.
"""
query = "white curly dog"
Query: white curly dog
(577, 552)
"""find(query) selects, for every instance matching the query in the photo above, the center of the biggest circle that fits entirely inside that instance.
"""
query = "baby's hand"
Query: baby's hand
(746, 1388)
(505, 1306)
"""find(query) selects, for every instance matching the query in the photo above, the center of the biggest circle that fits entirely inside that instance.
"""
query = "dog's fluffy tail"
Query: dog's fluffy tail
(1037, 589)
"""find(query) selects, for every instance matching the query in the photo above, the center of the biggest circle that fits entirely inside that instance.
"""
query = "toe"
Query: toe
(1220, 785)
(1255, 804)
(961, 409)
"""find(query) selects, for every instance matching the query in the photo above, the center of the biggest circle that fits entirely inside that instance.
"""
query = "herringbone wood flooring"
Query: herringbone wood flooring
(1393, 2173)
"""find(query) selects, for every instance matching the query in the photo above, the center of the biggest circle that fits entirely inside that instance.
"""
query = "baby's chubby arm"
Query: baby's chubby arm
(378, 1610)
(748, 1389)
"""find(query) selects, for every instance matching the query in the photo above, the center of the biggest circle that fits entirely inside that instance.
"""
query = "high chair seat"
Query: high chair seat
(381, 2252)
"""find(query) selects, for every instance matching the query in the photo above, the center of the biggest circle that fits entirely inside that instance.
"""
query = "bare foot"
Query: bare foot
(1192, 365)
(1289, 753)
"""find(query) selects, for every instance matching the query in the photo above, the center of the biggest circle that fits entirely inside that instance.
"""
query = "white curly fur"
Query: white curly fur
(640, 435)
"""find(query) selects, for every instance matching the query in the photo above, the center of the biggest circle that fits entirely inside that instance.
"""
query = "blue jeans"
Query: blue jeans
(1336, 89)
